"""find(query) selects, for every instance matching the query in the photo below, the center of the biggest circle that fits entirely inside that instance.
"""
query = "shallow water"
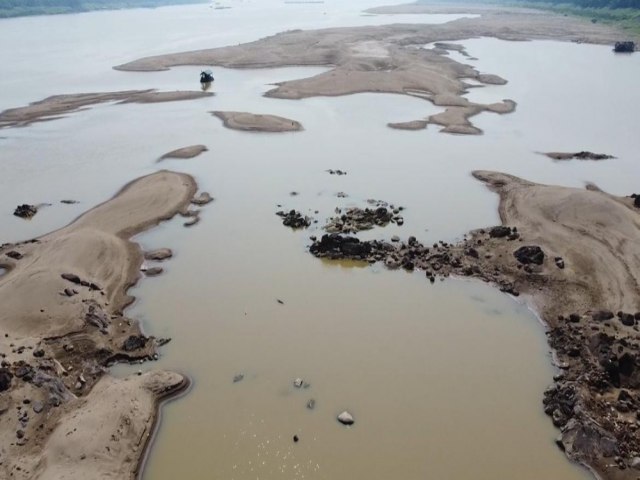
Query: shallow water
(444, 380)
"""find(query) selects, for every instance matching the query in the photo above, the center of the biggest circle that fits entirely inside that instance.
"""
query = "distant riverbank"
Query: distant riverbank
(14, 8)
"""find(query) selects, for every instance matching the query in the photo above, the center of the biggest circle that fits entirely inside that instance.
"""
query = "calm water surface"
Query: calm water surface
(445, 380)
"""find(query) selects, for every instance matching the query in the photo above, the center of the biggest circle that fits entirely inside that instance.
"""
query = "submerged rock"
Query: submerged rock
(237, 378)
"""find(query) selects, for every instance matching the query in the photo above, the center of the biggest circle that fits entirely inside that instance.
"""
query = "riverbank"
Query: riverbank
(64, 415)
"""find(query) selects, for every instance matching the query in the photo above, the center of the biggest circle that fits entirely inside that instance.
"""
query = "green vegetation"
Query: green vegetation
(624, 14)
(18, 8)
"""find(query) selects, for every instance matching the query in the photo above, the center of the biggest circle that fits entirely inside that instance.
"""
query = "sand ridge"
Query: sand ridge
(252, 122)
(56, 106)
(62, 324)
(390, 59)
(185, 153)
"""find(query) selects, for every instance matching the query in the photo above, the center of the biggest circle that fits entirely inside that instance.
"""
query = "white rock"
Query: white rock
(298, 382)
(346, 418)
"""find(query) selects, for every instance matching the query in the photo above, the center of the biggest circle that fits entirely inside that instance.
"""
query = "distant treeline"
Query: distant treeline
(17, 8)
(592, 3)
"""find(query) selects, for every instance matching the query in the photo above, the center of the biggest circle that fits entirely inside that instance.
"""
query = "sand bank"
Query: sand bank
(390, 59)
(62, 324)
(185, 152)
(575, 255)
(252, 122)
(54, 107)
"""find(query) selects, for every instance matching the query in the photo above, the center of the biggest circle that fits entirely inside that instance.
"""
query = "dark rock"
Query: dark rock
(559, 262)
(237, 378)
(70, 277)
(529, 254)
(39, 353)
(499, 232)
(311, 404)
(5, 379)
(574, 318)
(602, 315)
(25, 211)
(20, 434)
(472, 252)
(636, 202)
(15, 255)
(624, 47)
(69, 202)
(294, 219)
(337, 246)
(295, 439)
(627, 319)
(134, 342)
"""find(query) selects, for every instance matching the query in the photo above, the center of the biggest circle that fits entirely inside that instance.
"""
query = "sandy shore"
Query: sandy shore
(252, 122)
(185, 153)
(390, 59)
(54, 107)
(575, 256)
(62, 324)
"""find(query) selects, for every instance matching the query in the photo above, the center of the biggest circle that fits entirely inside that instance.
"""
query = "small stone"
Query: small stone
(158, 254)
(559, 262)
(38, 407)
(298, 382)
(635, 463)
(15, 255)
(153, 271)
(237, 378)
(20, 433)
(202, 199)
(295, 438)
(395, 238)
(311, 404)
(346, 418)
(38, 353)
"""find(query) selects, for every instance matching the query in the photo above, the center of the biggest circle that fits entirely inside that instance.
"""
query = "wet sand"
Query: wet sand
(185, 153)
(54, 107)
(63, 297)
(251, 122)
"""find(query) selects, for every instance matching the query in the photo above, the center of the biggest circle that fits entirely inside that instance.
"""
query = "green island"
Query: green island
(19, 8)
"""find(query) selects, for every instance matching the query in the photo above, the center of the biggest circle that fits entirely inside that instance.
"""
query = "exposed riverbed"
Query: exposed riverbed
(444, 380)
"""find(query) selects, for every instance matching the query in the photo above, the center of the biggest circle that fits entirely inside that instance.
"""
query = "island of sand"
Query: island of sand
(62, 325)
(574, 254)
(55, 107)
(252, 122)
(392, 59)
(185, 153)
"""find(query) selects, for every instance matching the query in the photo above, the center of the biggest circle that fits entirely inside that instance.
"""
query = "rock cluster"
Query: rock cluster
(356, 219)
(294, 219)
(25, 211)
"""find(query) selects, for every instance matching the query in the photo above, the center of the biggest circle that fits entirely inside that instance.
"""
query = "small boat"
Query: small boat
(206, 76)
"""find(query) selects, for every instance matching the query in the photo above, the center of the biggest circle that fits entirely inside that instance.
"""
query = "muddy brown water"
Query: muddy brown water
(444, 380)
